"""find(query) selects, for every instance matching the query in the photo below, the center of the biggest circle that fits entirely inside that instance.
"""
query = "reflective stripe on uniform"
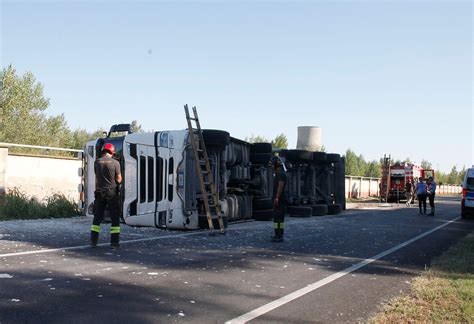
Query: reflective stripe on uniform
(95, 228)
(276, 225)
(281, 225)
(115, 230)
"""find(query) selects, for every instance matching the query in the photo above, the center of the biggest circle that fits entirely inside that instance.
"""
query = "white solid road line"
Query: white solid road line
(318, 284)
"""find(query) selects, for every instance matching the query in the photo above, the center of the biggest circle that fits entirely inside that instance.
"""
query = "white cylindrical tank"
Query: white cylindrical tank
(309, 138)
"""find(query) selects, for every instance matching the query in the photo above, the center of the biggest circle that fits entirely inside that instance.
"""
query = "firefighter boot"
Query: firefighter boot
(278, 233)
(94, 238)
(115, 240)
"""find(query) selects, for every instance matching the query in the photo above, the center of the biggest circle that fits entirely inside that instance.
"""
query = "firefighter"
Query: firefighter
(422, 192)
(279, 198)
(431, 194)
(107, 179)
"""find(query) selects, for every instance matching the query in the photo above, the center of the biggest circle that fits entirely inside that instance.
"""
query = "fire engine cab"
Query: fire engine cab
(395, 178)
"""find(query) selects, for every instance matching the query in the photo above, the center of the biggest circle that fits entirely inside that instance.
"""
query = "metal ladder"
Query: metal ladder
(203, 168)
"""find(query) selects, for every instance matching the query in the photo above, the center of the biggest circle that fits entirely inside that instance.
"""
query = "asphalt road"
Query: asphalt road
(160, 276)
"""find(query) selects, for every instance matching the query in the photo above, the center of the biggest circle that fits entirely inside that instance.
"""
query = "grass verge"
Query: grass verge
(444, 293)
(16, 205)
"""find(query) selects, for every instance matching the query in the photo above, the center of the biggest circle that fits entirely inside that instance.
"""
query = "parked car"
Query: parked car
(467, 204)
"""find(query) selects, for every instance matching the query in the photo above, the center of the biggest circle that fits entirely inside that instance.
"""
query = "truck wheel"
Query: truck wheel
(333, 158)
(260, 158)
(320, 210)
(263, 215)
(319, 157)
(216, 137)
(261, 148)
(300, 211)
(298, 155)
(334, 209)
(262, 204)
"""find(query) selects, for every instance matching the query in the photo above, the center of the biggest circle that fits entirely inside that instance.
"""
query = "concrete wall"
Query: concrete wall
(361, 187)
(41, 177)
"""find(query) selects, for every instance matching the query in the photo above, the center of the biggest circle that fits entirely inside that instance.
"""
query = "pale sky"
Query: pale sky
(377, 77)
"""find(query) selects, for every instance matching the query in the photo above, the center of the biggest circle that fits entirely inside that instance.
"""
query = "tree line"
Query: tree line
(24, 121)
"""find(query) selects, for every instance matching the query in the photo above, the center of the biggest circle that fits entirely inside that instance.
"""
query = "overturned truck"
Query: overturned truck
(161, 189)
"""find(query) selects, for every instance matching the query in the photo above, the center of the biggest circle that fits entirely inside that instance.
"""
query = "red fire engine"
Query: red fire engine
(395, 178)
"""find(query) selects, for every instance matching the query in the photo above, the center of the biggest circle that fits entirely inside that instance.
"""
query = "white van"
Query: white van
(467, 205)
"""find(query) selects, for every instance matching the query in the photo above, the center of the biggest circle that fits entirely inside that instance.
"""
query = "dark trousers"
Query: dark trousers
(279, 218)
(104, 199)
(431, 198)
(422, 201)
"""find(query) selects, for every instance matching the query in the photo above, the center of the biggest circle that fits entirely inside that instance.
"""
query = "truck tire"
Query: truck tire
(216, 137)
(263, 215)
(298, 155)
(262, 204)
(260, 158)
(319, 157)
(334, 209)
(333, 158)
(320, 210)
(261, 148)
(300, 211)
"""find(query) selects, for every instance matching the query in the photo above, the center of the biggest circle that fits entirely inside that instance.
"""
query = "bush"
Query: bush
(17, 205)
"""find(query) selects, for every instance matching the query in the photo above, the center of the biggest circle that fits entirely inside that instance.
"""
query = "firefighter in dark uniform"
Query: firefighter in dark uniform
(279, 198)
(108, 177)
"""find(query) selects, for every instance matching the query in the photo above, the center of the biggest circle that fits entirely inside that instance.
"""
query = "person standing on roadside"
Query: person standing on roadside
(279, 198)
(107, 179)
(431, 195)
(409, 192)
(422, 192)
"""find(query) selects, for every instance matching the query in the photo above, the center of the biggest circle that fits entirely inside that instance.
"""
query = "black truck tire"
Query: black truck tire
(262, 204)
(261, 148)
(320, 210)
(263, 215)
(298, 155)
(300, 211)
(216, 137)
(319, 157)
(260, 158)
(333, 158)
(334, 209)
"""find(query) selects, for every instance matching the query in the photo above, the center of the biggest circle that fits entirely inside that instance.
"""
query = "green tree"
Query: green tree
(257, 139)
(425, 164)
(373, 170)
(453, 176)
(280, 142)
(136, 127)
(22, 104)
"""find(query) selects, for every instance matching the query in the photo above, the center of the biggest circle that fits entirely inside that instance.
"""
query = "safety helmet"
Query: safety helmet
(109, 147)
(275, 160)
